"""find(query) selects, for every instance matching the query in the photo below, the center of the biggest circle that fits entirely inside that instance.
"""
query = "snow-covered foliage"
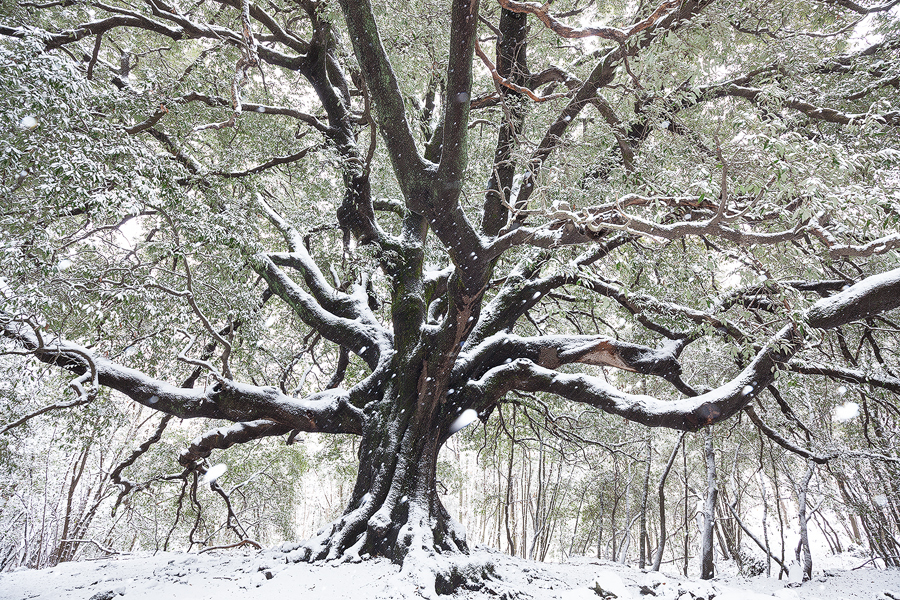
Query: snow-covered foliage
(506, 253)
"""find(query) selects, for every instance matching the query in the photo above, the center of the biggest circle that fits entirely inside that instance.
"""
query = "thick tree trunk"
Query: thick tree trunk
(395, 511)
(395, 508)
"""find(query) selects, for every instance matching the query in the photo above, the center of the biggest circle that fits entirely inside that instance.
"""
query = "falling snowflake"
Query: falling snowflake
(845, 412)
(214, 472)
(462, 420)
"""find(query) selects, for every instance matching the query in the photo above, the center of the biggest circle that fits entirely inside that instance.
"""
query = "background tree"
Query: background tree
(369, 226)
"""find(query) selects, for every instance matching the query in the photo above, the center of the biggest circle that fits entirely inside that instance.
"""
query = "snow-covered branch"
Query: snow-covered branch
(872, 295)
(363, 336)
(553, 351)
(328, 411)
(225, 437)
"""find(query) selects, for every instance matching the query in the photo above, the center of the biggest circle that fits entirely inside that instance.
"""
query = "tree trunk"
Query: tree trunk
(765, 525)
(804, 556)
(707, 566)
(644, 550)
(657, 560)
(686, 524)
(395, 509)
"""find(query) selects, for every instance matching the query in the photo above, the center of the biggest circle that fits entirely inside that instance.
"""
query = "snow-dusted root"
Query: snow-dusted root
(392, 530)
(432, 572)
(428, 544)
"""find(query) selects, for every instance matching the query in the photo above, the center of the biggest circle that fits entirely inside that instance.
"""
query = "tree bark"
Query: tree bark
(707, 564)
(661, 491)
(643, 549)
(804, 556)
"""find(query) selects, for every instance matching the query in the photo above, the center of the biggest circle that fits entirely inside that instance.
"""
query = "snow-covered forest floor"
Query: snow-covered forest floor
(245, 575)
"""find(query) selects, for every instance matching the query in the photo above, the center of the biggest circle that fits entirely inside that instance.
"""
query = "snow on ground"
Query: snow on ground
(245, 575)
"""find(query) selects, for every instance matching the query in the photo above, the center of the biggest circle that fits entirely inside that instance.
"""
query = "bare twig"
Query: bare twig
(541, 11)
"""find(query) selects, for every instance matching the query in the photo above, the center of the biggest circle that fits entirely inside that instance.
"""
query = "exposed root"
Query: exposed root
(432, 553)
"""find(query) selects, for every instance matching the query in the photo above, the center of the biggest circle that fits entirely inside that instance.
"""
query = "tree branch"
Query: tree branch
(607, 33)
(329, 412)
(390, 112)
(363, 336)
(872, 295)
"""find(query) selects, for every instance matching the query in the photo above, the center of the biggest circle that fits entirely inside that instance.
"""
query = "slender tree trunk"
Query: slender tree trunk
(65, 549)
(577, 519)
(779, 510)
(764, 547)
(643, 549)
(511, 544)
(707, 565)
(661, 492)
(803, 548)
(686, 525)
(765, 525)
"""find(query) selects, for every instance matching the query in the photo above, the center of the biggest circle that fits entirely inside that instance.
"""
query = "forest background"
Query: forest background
(679, 184)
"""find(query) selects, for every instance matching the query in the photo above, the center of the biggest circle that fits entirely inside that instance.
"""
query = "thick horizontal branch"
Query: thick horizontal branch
(872, 295)
(687, 414)
(226, 437)
(329, 411)
(551, 352)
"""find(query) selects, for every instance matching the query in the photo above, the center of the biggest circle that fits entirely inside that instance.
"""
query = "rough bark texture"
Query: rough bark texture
(448, 343)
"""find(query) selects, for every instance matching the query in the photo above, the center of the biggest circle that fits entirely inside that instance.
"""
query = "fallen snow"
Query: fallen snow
(249, 575)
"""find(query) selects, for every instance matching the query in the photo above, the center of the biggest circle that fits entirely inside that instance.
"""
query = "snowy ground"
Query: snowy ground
(245, 575)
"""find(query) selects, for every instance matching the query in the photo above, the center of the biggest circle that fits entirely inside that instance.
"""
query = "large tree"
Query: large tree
(453, 204)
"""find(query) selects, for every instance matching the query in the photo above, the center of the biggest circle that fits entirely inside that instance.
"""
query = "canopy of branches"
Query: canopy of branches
(370, 217)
